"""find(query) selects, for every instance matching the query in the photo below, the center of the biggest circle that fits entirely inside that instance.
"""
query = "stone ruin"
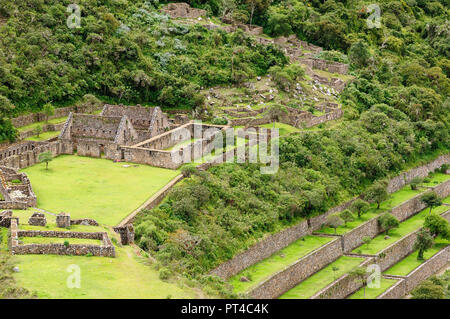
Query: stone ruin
(63, 220)
(37, 219)
(126, 234)
(183, 10)
(5, 218)
(15, 189)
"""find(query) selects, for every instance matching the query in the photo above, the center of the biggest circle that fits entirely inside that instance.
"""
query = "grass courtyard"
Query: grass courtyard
(95, 188)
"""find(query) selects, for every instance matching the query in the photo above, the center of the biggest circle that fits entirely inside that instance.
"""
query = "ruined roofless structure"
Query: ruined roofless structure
(147, 121)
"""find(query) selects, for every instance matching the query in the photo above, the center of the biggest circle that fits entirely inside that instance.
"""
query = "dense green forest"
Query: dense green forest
(396, 113)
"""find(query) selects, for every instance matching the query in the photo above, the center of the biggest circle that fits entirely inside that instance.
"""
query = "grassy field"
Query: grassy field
(408, 264)
(322, 278)
(372, 293)
(43, 136)
(126, 276)
(284, 129)
(408, 226)
(95, 188)
(264, 269)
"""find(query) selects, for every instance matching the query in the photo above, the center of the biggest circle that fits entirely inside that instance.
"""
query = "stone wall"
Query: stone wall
(396, 252)
(261, 250)
(342, 287)
(422, 171)
(45, 128)
(183, 10)
(421, 273)
(324, 65)
(106, 249)
(292, 275)
(353, 238)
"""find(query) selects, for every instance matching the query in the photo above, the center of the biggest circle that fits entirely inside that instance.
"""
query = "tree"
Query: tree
(359, 207)
(48, 111)
(437, 226)
(377, 193)
(360, 275)
(45, 157)
(428, 290)
(346, 216)
(261, 5)
(38, 130)
(415, 183)
(366, 240)
(276, 112)
(334, 221)
(423, 242)
(387, 222)
(431, 199)
(359, 53)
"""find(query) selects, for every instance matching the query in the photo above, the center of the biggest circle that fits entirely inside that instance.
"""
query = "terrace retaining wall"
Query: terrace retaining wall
(292, 275)
(421, 273)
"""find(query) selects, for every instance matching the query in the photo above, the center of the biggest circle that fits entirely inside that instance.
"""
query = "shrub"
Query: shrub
(164, 274)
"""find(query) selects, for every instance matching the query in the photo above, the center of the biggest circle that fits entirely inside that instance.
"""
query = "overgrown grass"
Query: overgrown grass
(95, 188)
(322, 278)
(284, 129)
(264, 269)
(51, 240)
(34, 125)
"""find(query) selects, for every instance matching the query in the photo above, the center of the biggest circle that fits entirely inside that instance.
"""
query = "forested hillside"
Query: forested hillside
(396, 114)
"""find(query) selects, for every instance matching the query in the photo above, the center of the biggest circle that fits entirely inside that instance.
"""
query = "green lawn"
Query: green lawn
(408, 264)
(95, 188)
(126, 276)
(408, 226)
(264, 269)
(372, 293)
(43, 136)
(437, 178)
(322, 278)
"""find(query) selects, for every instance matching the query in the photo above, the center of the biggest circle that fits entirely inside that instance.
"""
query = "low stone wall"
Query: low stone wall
(261, 250)
(397, 291)
(353, 238)
(45, 128)
(84, 221)
(106, 249)
(396, 252)
(292, 275)
(422, 171)
(342, 287)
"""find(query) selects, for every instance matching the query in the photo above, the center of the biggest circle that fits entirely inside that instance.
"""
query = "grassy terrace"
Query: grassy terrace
(264, 269)
(284, 129)
(43, 136)
(372, 293)
(34, 125)
(322, 278)
(394, 200)
(95, 188)
(408, 264)
(405, 228)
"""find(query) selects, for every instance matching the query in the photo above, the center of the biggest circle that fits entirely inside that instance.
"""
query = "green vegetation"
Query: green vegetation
(322, 278)
(126, 276)
(408, 264)
(285, 257)
(372, 293)
(43, 136)
(435, 287)
(406, 227)
(95, 188)
(34, 125)
(284, 129)
(49, 240)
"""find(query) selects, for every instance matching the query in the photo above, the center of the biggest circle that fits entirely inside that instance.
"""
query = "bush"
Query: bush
(164, 274)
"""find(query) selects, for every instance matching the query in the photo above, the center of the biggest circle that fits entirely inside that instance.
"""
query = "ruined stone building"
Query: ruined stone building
(94, 135)
(15, 190)
(147, 121)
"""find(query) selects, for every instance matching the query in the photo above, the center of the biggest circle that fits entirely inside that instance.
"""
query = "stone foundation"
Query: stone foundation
(37, 219)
